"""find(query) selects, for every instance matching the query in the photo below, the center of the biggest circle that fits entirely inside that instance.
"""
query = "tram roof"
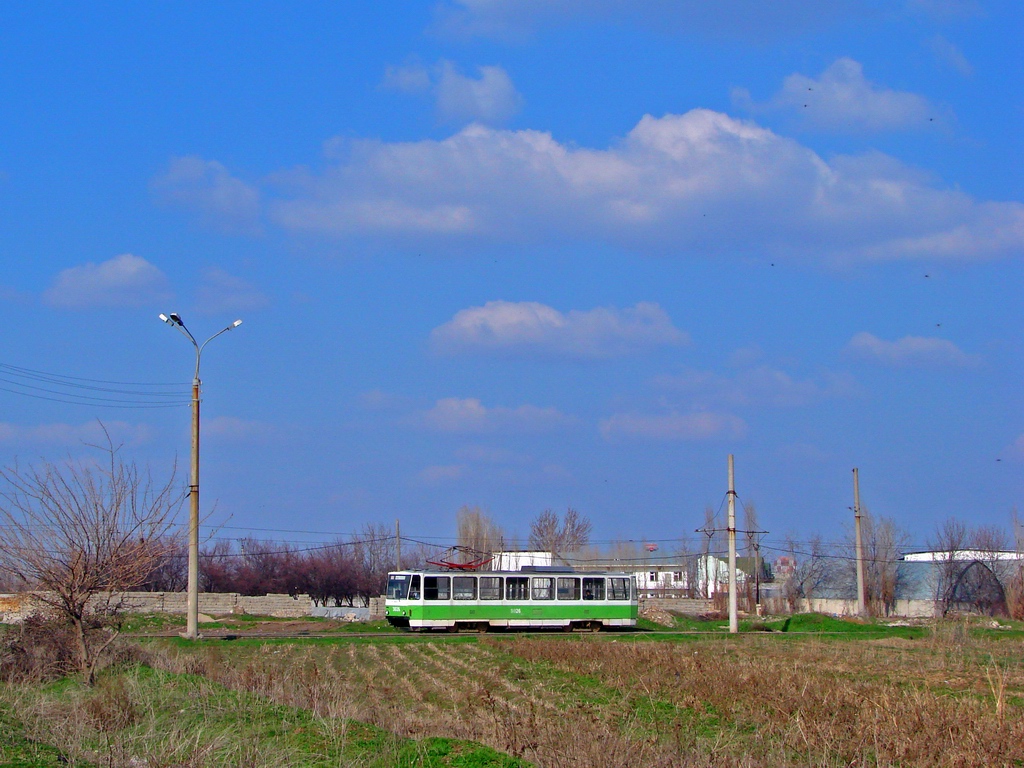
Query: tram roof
(529, 570)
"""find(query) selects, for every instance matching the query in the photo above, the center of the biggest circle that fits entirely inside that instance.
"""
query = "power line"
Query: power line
(30, 373)
(75, 390)
(111, 404)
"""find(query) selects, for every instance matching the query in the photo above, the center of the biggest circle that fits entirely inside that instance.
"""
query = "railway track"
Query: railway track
(436, 635)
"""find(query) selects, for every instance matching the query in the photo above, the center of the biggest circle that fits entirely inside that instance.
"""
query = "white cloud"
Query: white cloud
(234, 428)
(700, 183)
(843, 100)
(207, 187)
(123, 281)
(379, 400)
(701, 425)
(220, 292)
(910, 351)
(409, 78)
(470, 416)
(490, 97)
(530, 327)
(438, 474)
(483, 454)
(951, 56)
(759, 386)
(77, 435)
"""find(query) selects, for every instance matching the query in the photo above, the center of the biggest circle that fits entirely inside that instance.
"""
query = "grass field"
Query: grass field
(810, 690)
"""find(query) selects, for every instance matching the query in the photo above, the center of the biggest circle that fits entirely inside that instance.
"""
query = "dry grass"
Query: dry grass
(893, 702)
(751, 700)
(137, 716)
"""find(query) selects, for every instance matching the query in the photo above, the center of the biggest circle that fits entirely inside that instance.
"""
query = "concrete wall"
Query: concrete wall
(910, 609)
(373, 612)
(218, 603)
(686, 605)
(15, 607)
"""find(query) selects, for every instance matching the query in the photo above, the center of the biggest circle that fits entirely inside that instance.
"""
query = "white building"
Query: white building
(514, 561)
(710, 574)
(961, 555)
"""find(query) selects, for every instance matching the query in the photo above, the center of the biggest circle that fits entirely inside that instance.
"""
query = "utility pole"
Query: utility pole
(757, 573)
(734, 625)
(862, 608)
(398, 545)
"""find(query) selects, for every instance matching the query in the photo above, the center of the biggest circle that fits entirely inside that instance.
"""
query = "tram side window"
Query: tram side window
(464, 587)
(568, 589)
(490, 587)
(543, 588)
(414, 588)
(618, 589)
(593, 589)
(517, 588)
(436, 587)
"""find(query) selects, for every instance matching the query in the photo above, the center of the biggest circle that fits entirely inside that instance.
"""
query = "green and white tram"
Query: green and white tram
(533, 598)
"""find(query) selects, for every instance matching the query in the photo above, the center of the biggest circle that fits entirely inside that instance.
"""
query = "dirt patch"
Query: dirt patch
(658, 616)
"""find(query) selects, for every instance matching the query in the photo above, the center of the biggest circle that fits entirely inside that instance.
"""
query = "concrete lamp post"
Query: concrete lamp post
(192, 629)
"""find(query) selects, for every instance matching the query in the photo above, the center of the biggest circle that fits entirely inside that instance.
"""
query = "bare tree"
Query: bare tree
(374, 551)
(989, 541)
(171, 572)
(689, 563)
(948, 543)
(332, 574)
(884, 542)
(972, 575)
(812, 571)
(560, 536)
(477, 531)
(82, 534)
(1015, 585)
(750, 528)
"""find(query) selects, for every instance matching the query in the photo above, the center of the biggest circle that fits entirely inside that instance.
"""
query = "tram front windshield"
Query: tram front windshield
(398, 586)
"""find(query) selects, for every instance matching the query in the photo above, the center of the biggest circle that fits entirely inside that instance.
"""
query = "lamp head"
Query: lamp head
(236, 323)
(175, 318)
(165, 318)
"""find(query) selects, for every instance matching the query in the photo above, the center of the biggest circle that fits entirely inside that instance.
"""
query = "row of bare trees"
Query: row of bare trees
(340, 573)
(560, 535)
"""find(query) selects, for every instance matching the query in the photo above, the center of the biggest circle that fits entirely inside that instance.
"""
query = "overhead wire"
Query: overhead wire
(77, 390)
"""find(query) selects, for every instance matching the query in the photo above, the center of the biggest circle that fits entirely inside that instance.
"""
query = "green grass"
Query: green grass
(366, 626)
(152, 622)
(157, 623)
(17, 750)
(140, 713)
(815, 623)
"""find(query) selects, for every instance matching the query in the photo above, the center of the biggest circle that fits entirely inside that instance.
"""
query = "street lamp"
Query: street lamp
(192, 630)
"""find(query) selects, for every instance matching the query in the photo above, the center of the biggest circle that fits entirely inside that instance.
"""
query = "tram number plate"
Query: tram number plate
(516, 610)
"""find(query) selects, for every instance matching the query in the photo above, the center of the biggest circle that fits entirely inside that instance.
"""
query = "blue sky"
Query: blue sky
(527, 255)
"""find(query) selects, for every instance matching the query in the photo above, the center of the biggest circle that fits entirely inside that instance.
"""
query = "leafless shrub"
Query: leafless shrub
(38, 649)
(82, 534)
